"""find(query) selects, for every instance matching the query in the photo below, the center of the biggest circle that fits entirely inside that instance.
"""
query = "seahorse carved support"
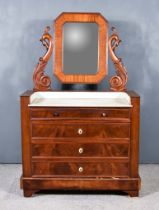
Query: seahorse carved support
(117, 82)
(41, 81)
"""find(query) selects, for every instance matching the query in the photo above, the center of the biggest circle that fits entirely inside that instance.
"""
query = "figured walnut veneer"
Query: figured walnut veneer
(103, 45)
(80, 148)
(69, 149)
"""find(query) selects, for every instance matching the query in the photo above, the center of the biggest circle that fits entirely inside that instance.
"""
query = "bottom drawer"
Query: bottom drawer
(74, 168)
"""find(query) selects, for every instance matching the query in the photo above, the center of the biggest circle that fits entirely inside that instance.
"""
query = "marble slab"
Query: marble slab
(80, 99)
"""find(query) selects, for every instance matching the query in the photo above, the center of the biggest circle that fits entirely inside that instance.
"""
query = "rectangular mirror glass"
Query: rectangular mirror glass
(80, 48)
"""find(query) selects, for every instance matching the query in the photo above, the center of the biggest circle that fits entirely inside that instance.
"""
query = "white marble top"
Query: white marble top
(80, 99)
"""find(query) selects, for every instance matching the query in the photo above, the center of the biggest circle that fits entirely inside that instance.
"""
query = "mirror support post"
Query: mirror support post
(41, 81)
(118, 81)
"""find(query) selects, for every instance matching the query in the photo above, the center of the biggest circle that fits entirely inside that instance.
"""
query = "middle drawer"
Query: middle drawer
(80, 150)
(55, 129)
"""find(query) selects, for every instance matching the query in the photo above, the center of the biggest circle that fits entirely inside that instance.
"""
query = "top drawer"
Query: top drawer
(68, 113)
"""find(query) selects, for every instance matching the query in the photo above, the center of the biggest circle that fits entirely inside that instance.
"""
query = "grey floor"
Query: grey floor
(11, 197)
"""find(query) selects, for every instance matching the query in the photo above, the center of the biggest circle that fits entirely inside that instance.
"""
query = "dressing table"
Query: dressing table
(80, 140)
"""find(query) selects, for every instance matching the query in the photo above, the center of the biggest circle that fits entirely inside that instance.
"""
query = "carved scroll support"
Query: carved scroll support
(41, 81)
(118, 81)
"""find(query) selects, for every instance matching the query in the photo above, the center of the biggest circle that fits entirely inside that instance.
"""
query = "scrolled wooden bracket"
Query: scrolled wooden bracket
(117, 82)
(41, 81)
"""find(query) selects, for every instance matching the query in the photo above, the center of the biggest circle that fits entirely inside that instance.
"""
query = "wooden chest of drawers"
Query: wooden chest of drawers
(93, 148)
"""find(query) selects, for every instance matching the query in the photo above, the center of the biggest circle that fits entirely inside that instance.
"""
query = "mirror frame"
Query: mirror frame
(102, 47)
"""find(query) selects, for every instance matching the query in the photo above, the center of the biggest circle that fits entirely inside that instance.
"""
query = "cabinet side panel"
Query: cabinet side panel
(135, 126)
(25, 135)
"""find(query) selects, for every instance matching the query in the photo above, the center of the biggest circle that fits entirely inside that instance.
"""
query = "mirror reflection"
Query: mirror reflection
(80, 48)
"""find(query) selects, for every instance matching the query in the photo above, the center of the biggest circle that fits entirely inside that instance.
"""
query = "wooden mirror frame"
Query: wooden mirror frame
(102, 46)
(42, 81)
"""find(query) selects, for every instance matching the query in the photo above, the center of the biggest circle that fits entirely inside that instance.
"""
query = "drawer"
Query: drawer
(81, 150)
(73, 168)
(80, 130)
(99, 113)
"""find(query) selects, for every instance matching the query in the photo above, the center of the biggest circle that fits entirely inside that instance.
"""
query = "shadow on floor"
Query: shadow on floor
(80, 192)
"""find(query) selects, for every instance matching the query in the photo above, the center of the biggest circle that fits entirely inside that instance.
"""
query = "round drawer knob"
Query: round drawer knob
(80, 131)
(56, 114)
(103, 114)
(80, 150)
(80, 169)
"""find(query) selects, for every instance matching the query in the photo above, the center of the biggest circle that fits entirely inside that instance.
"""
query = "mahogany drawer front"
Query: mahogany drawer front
(107, 169)
(81, 150)
(104, 130)
(101, 113)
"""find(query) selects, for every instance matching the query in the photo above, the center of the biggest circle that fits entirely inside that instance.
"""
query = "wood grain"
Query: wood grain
(84, 149)
(103, 57)
(42, 82)
(67, 130)
(71, 168)
(25, 135)
(51, 143)
(129, 185)
(117, 82)
(66, 113)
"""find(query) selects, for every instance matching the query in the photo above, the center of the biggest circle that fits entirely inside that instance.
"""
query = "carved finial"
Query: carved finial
(114, 30)
(41, 81)
(47, 29)
(117, 82)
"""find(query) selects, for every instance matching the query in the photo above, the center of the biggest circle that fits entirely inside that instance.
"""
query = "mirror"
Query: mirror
(80, 48)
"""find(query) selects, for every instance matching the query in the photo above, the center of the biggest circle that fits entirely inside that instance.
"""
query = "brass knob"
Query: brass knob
(80, 131)
(104, 114)
(80, 169)
(80, 150)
